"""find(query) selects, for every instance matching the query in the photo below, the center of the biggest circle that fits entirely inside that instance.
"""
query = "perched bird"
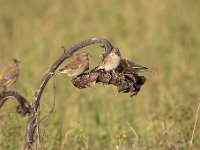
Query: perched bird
(10, 73)
(76, 67)
(111, 61)
(127, 64)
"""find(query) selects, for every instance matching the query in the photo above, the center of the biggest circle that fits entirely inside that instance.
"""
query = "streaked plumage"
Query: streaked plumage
(76, 67)
(111, 61)
(10, 73)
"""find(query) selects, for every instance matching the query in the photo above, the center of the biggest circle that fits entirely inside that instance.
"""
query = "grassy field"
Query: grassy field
(162, 35)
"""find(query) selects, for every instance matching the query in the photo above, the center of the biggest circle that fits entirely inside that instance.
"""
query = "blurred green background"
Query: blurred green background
(162, 35)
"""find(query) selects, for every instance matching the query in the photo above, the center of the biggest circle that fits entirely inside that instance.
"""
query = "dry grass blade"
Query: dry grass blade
(166, 138)
(65, 137)
(134, 132)
(194, 127)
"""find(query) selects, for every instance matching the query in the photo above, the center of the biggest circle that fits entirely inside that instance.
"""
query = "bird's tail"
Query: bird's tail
(140, 68)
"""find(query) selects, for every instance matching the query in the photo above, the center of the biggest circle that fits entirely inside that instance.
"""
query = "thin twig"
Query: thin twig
(65, 137)
(38, 128)
(52, 109)
(194, 127)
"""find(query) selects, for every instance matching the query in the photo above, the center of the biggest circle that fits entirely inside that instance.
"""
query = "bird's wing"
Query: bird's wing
(74, 65)
(1, 76)
(6, 80)
(1, 79)
(10, 73)
(108, 58)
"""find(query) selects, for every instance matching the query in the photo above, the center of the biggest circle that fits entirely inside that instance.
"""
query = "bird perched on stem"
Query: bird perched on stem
(127, 64)
(10, 73)
(76, 67)
(111, 61)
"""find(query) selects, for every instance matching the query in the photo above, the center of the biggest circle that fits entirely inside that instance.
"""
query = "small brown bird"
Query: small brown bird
(127, 64)
(111, 61)
(76, 67)
(10, 73)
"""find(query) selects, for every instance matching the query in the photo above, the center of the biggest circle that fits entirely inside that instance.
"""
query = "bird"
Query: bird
(9, 73)
(110, 61)
(76, 67)
(129, 65)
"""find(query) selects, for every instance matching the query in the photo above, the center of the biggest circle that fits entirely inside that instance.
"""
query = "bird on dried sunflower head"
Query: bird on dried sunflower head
(76, 67)
(111, 61)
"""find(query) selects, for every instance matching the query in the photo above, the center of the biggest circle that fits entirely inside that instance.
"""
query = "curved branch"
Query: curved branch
(31, 124)
(67, 53)
(24, 106)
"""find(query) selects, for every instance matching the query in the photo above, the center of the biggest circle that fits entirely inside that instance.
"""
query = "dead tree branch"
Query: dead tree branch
(24, 106)
(31, 124)
(125, 80)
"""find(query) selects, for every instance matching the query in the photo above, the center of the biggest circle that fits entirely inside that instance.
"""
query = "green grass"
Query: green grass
(162, 35)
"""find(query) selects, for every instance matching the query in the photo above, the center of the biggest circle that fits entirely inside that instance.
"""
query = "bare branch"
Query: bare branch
(31, 124)
(24, 106)
(125, 80)
(67, 53)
